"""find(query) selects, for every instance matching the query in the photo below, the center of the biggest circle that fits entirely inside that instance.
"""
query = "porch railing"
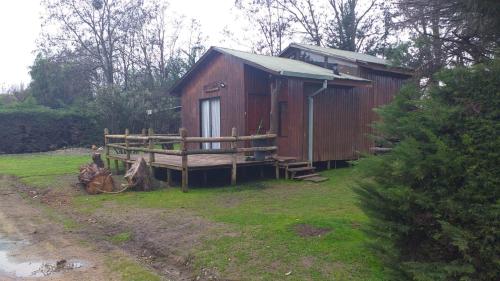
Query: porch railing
(177, 145)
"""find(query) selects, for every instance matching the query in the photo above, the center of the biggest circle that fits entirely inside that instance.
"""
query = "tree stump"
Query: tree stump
(138, 176)
(95, 179)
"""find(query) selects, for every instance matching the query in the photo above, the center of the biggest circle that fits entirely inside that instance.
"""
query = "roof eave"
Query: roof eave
(306, 75)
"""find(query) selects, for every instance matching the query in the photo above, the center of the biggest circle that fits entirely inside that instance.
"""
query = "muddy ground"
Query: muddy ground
(32, 244)
(161, 240)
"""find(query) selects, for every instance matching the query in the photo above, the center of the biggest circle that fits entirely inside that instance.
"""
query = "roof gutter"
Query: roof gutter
(310, 126)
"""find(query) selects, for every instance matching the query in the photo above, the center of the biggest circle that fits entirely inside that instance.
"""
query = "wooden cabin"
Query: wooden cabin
(346, 138)
(318, 104)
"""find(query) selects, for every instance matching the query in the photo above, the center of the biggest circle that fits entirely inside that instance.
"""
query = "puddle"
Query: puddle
(11, 267)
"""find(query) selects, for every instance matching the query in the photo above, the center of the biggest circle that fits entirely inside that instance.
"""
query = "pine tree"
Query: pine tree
(434, 199)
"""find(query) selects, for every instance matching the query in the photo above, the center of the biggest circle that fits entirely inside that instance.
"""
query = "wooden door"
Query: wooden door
(258, 112)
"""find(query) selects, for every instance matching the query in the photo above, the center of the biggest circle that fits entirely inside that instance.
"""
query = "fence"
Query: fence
(148, 143)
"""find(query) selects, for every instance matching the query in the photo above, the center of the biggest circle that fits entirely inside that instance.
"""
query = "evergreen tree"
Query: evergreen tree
(434, 199)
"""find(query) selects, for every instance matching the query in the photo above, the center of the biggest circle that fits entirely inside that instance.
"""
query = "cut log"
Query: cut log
(96, 158)
(95, 179)
(100, 184)
(138, 176)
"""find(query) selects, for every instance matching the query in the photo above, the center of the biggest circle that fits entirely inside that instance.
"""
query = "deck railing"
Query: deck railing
(148, 142)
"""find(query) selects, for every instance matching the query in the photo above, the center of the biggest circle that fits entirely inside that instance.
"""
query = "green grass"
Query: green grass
(41, 170)
(261, 217)
(264, 215)
(130, 270)
(121, 237)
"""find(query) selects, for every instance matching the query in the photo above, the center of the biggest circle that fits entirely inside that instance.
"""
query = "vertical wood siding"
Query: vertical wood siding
(223, 68)
(295, 144)
(258, 99)
(342, 116)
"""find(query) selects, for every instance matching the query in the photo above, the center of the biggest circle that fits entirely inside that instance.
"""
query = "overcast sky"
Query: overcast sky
(20, 27)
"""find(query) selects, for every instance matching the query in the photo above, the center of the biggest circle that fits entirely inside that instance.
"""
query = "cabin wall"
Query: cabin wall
(220, 68)
(342, 115)
(385, 86)
(257, 100)
(337, 133)
(294, 144)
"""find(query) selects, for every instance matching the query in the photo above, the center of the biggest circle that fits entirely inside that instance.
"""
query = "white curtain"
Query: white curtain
(205, 121)
(215, 116)
(210, 121)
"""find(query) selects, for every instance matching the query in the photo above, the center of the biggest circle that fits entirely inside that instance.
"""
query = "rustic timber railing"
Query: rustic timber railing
(147, 143)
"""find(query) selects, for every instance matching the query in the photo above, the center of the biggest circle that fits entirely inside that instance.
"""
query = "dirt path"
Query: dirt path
(31, 245)
(163, 240)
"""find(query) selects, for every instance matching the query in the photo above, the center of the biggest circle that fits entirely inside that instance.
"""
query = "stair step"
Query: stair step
(293, 164)
(284, 160)
(316, 179)
(305, 176)
(301, 169)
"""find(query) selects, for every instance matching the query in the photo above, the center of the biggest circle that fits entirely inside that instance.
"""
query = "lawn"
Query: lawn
(264, 214)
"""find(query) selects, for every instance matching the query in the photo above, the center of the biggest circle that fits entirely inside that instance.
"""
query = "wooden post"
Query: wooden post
(273, 126)
(234, 144)
(144, 133)
(205, 178)
(106, 147)
(328, 164)
(185, 175)
(277, 167)
(169, 177)
(127, 144)
(117, 167)
(151, 154)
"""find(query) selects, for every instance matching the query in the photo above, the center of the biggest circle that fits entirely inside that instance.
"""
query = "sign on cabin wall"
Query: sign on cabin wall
(214, 87)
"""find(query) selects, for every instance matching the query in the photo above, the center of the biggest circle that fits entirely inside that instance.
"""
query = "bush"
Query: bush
(39, 129)
(434, 200)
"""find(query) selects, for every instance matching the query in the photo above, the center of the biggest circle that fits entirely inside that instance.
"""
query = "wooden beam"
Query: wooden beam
(234, 133)
(151, 152)
(169, 177)
(273, 126)
(127, 145)
(106, 147)
(185, 175)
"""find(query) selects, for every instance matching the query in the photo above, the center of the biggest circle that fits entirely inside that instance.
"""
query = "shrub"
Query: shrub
(434, 200)
(37, 129)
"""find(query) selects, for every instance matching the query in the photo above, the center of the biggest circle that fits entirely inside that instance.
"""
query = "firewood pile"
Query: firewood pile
(97, 179)
(94, 177)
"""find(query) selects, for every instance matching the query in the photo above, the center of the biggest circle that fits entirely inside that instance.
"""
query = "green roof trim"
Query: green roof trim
(289, 67)
(275, 65)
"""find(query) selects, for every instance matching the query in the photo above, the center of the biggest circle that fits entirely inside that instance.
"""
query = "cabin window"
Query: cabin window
(283, 119)
(210, 121)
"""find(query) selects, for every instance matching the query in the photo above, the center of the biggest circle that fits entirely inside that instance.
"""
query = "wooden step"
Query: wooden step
(316, 179)
(294, 164)
(284, 159)
(305, 176)
(301, 169)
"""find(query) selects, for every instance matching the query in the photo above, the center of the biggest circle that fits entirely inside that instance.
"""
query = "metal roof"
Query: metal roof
(274, 65)
(288, 67)
(353, 56)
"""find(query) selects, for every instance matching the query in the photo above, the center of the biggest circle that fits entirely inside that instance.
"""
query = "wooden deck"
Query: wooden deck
(195, 162)
(128, 148)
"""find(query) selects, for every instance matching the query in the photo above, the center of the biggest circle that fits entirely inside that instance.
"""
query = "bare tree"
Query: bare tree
(273, 24)
(350, 29)
(307, 15)
(100, 27)
(344, 24)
